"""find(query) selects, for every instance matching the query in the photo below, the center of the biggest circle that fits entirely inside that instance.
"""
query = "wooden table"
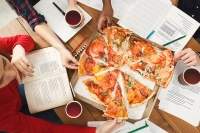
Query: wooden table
(164, 120)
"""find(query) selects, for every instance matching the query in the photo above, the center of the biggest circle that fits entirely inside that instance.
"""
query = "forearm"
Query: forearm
(72, 2)
(107, 3)
(175, 2)
(48, 35)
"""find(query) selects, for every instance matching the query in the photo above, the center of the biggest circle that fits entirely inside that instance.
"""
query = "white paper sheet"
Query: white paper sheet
(179, 100)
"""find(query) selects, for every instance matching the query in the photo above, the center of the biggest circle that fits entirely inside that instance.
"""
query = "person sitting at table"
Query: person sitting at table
(188, 56)
(38, 24)
(106, 16)
(12, 118)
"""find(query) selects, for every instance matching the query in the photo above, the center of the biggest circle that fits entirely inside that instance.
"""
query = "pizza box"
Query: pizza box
(135, 114)
(138, 113)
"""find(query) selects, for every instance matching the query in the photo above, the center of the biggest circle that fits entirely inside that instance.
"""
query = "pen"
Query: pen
(79, 43)
(150, 34)
(173, 40)
(59, 8)
(140, 128)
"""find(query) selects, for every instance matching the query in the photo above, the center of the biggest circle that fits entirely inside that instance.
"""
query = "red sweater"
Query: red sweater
(11, 120)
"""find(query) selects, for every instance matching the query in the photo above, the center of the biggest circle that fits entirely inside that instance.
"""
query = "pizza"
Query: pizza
(117, 42)
(117, 107)
(137, 48)
(158, 67)
(136, 92)
(89, 66)
(98, 49)
(101, 87)
(106, 57)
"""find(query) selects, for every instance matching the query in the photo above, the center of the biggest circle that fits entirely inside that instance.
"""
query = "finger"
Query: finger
(179, 55)
(109, 22)
(26, 61)
(71, 67)
(191, 63)
(74, 60)
(23, 70)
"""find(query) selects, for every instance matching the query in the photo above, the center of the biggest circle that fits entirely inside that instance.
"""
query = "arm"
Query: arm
(188, 56)
(38, 23)
(105, 19)
(175, 2)
(18, 46)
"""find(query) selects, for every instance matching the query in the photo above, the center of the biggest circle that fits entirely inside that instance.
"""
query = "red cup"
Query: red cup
(73, 18)
(73, 109)
(191, 76)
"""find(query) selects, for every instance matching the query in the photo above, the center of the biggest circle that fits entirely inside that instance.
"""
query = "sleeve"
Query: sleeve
(8, 43)
(20, 123)
(26, 10)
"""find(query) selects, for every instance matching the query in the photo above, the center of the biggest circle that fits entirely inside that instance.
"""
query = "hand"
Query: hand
(75, 7)
(67, 59)
(188, 56)
(21, 63)
(105, 19)
(109, 126)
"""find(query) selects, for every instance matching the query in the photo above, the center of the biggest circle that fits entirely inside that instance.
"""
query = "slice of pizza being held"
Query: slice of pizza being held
(89, 66)
(158, 67)
(136, 92)
(137, 48)
(101, 87)
(117, 107)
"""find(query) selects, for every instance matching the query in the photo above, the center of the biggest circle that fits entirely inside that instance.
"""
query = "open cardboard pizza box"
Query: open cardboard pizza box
(136, 113)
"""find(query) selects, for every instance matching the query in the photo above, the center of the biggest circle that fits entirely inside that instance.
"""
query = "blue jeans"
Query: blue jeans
(48, 115)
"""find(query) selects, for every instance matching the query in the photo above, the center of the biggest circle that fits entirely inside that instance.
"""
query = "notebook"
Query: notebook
(56, 20)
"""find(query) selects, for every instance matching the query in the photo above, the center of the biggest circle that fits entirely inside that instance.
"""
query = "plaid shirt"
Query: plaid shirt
(26, 10)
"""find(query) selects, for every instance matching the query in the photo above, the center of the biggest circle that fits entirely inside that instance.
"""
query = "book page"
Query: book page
(182, 101)
(46, 61)
(48, 93)
(175, 25)
(144, 16)
(56, 20)
(7, 14)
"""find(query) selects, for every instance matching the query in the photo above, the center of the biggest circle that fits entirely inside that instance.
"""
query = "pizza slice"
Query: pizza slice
(117, 107)
(117, 42)
(136, 92)
(98, 49)
(89, 66)
(158, 67)
(137, 48)
(101, 87)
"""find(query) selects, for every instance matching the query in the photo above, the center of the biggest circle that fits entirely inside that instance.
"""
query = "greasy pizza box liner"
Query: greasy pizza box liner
(148, 109)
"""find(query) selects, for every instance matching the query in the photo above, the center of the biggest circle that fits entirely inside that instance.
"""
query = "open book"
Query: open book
(56, 20)
(49, 87)
(159, 17)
